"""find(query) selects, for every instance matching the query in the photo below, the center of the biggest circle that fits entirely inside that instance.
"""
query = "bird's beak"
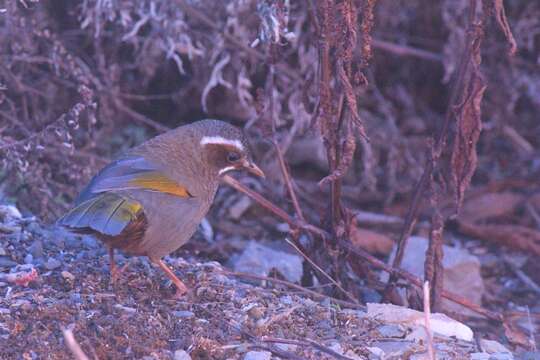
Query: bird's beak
(254, 169)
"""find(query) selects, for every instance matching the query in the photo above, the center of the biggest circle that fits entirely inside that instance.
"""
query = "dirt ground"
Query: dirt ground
(140, 318)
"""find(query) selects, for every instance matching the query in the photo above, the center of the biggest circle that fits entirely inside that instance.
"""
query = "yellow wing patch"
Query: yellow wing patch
(159, 182)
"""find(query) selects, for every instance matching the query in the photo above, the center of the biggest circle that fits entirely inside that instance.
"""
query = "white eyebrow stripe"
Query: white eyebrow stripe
(218, 140)
(225, 169)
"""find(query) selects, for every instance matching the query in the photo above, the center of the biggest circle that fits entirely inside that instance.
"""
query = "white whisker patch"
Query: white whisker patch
(218, 140)
(225, 169)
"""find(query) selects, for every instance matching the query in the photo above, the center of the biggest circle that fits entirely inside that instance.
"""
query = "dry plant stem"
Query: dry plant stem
(191, 11)
(274, 208)
(315, 294)
(288, 182)
(534, 214)
(427, 321)
(73, 345)
(433, 268)
(322, 271)
(462, 85)
(75, 111)
(357, 251)
(327, 108)
(522, 276)
(307, 342)
(403, 50)
(281, 160)
(139, 117)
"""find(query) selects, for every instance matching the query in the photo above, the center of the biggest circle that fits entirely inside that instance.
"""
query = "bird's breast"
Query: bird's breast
(171, 220)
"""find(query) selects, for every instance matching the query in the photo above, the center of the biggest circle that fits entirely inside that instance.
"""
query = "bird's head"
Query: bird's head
(225, 148)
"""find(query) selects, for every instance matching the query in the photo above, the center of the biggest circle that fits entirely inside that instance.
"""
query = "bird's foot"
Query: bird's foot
(116, 273)
(180, 291)
(181, 288)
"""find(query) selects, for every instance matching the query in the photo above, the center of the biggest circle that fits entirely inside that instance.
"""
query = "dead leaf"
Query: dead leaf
(490, 205)
(514, 236)
(500, 15)
(469, 125)
(516, 336)
(466, 109)
(371, 241)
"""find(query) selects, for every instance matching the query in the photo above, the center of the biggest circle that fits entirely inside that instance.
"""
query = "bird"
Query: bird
(149, 201)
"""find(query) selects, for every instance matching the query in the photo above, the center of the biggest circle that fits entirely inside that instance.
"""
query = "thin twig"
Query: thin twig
(307, 342)
(73, 345)
(404, 50)
(138, 116)
(321, 270)
(530, 208)
(522, 276)
(273, 208)
(427, 321)
(288, 182)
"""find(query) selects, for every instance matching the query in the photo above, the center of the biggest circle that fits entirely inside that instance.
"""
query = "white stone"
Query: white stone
(440, 323)
(376, 351)
(258, 355)
(492, 347)
(181, 355)
(260, 260)
(461, 272)
(10, 211)
(240, 207)
(480, 356)
(335, 346)
(352, 355)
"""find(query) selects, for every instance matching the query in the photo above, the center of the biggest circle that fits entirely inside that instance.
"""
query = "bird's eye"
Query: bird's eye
(233, 157)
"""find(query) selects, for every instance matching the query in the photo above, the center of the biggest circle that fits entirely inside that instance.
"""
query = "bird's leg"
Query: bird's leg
(112, 265)
(181, 289)
(113, 269)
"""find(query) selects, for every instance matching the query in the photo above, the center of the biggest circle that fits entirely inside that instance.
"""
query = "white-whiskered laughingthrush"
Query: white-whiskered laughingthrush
(150, 201)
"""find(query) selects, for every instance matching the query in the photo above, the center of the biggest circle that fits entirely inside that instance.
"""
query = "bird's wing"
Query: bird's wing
(103, 207)
(131, 173)
(107, 213)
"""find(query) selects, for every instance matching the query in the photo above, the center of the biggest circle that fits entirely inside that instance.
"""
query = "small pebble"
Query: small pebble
(127, 309)
(183, 314)
(75, 297)
(28, 259)
(52, 264)
(181, 355)
(258, 355)
(256, 312)
(36, 249)
(390, 331)
(67, 275)
(34, 227)
(480, 356)
(6, 262)
(89, 242)
(286, 300)
(286, 347)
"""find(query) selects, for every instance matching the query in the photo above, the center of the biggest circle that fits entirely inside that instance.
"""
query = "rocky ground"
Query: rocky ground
(52, 282)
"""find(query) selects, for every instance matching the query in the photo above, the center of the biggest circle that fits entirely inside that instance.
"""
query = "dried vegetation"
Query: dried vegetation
(410, 109)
